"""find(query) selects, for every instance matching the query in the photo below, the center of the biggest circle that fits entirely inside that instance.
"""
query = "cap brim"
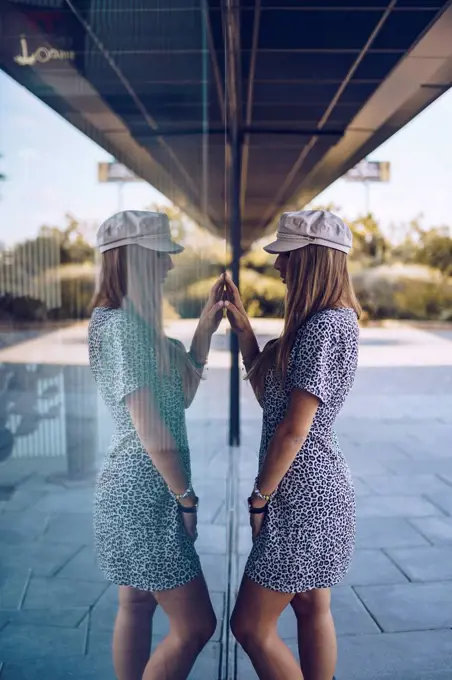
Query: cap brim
(277, 246)
(287, 246)
(163, 245)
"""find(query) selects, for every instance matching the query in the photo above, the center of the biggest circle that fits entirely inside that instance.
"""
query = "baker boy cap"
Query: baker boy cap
(137, 227)
(305, 227)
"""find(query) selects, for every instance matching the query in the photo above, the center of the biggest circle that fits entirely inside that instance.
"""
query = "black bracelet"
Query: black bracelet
(258, 511)
(189, 510)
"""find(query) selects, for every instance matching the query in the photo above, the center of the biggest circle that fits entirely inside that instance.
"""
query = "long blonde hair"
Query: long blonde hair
(317, 279)
(128, 281)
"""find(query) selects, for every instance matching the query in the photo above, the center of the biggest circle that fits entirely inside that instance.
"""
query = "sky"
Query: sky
(51, 170)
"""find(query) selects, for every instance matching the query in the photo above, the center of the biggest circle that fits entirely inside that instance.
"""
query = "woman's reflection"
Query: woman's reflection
(145, 506)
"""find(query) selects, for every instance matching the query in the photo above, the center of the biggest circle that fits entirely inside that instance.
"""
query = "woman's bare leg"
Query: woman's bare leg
(192, 624)
(254, 625)
(316, 635)
(132, 633)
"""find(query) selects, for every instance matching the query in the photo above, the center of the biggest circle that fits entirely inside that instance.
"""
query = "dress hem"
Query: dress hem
(295, 591)
(130, 584)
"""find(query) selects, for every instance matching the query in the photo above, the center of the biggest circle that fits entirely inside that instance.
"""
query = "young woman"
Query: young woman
(145, 505)
(302, 506)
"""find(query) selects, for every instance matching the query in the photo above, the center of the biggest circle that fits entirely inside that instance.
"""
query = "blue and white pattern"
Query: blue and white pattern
(308, 535)
(139, 535)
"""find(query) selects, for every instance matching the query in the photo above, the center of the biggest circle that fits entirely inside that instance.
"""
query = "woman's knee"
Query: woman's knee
(247, 632)
(195, 633)
(312, 604)
(139, 601)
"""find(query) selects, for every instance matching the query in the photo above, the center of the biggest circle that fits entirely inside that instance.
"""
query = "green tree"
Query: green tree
(368, 239)
(72, 244)
(436, 249)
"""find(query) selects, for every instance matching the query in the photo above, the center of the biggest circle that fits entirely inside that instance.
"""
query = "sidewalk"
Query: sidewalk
(394, 611)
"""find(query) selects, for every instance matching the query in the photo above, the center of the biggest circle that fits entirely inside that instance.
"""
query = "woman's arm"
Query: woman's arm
(156, 439)
(200, 345)
(241, 325)
(288, 439)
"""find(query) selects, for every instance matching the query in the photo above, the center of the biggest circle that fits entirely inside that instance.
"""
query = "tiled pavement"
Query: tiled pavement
(394, 610)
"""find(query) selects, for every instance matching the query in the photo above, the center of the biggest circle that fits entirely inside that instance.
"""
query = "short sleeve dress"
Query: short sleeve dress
(139, 536)
(308, 535)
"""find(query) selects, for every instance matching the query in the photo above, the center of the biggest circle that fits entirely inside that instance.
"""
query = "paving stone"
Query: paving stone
(350, 615)
(29, 642)
(53, 592)
(443, 499)
(104, 611)
(214, 568)
(372, 567)
(447, 477)
(378, 451)
(23, 499)
(395, 655)
(219, 518)
(433, 464)
(19, 527)
(5, 618)
(409, 485)
(395, 506)
(60, 618)
(409, 607)
(387, 532)
(433, 563)
(436, 529)
(210, 504)
(60, 668)
(43, 558)
(361, 467)
(245, 540)
(361, 488)
(211, 539)
(13, 584)
(66, 500)
(70, 528)
(83, 563)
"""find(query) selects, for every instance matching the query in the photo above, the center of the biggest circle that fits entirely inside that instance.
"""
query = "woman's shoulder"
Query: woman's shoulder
(332, 322)
(113, 325)
(336, 317)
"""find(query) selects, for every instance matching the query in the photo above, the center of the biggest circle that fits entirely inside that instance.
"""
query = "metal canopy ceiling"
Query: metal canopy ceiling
(310, 88)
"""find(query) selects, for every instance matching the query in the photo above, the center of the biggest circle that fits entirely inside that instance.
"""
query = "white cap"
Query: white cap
(137, 227)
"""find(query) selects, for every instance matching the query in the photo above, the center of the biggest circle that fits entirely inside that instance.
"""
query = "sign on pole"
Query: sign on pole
(369, 171)
(116, 172)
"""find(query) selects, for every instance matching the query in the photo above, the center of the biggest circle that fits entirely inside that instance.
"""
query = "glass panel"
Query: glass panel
(85, 87)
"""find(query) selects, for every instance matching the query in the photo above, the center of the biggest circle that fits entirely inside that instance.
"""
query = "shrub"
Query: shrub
(392, 293)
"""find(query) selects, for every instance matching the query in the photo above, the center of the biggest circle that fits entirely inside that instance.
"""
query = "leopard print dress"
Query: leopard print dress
(308, 535)
(139, 536)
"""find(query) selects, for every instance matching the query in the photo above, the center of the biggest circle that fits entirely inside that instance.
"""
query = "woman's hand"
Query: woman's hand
(189, 519)
(212, 313)
(257, 519)
(256, 523)
(235, 310)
